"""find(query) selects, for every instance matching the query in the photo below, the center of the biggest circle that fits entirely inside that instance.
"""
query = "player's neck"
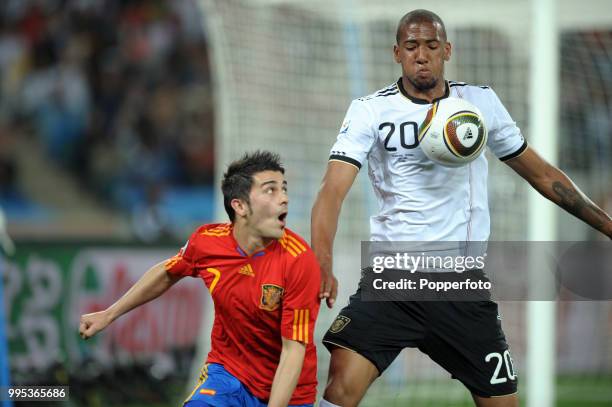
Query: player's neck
(429, 95)
(248, 241)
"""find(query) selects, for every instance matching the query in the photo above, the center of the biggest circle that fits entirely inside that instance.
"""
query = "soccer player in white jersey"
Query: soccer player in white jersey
(422, 201)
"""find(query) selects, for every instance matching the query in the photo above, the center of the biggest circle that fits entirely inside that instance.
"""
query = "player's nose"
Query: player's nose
(421, 55)
(284, 198)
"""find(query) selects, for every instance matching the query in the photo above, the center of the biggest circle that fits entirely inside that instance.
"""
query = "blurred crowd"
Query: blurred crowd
(117, 92)
(586, 100)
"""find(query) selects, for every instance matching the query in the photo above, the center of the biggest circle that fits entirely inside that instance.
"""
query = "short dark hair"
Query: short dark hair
(419, 16)
(238, 179)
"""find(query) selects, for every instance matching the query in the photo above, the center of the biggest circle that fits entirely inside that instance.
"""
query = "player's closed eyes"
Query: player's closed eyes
(431, 45)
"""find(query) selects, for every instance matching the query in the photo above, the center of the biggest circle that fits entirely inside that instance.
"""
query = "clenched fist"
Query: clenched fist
(93, 323)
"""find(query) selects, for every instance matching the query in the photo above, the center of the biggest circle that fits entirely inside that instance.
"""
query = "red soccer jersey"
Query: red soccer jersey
(258, 299)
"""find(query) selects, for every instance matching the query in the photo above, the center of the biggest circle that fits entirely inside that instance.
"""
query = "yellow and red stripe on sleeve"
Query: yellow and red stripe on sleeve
(171, 262)
(301, 318)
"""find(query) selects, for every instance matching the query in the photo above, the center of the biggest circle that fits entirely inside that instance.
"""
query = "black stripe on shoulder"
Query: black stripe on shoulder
(346, 159)
(388, 89)
(453, 84)
(381, 93)
(388, 94)
(516, 153)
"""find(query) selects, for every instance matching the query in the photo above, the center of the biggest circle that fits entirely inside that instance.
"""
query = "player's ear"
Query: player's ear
(396, 55)
(240, 207)
(447, 51)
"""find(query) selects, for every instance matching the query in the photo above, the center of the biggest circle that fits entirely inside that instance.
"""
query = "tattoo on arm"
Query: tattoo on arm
(575, 203)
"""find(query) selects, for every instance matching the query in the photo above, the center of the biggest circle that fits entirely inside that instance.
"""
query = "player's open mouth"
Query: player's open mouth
(282, 218)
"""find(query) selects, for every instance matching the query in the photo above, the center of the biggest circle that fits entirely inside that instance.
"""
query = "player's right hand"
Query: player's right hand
(93, 323)
(329, 287)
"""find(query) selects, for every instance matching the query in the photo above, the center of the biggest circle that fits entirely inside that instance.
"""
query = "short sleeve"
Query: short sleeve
(505, 138)
(182, 264)
(356, 137)
(301, 299)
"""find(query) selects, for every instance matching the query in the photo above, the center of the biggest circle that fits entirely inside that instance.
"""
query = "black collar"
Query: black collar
(419, 101)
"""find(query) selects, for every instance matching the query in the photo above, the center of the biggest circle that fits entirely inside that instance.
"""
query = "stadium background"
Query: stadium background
(117, 118)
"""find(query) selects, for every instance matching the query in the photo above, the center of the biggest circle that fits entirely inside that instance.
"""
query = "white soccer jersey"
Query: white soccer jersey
(418, 199)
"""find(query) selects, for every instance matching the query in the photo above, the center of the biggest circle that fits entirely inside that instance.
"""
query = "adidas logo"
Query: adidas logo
(247, 270)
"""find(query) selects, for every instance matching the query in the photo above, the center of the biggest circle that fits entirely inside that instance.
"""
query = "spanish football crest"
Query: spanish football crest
(339, 324)
(271, 296)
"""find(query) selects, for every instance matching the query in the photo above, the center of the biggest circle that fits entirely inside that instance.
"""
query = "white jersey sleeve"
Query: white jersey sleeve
(505, 138)
(356, 135)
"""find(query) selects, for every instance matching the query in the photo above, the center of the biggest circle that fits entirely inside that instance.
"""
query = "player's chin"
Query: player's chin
(275, 232)
(424, 82)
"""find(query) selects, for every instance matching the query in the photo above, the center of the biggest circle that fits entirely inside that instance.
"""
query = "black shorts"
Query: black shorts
(463, 337)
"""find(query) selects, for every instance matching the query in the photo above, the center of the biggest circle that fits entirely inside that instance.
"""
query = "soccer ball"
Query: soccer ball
(453, 133)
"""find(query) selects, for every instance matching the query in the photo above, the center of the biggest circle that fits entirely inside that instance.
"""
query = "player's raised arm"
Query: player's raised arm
(324, 221)
(553, 184)
(150, 286)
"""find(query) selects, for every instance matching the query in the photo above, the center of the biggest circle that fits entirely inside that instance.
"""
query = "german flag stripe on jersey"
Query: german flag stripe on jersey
(431, 113)
(300, 325)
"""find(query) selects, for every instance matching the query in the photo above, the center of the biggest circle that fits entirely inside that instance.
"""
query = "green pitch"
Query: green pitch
(572, 391)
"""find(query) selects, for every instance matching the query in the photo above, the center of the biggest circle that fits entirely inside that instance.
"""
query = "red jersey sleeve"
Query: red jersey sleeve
(301, 299)
(182, 264)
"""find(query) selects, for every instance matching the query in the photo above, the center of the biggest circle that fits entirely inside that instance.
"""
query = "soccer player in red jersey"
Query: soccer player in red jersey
(264, 280)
